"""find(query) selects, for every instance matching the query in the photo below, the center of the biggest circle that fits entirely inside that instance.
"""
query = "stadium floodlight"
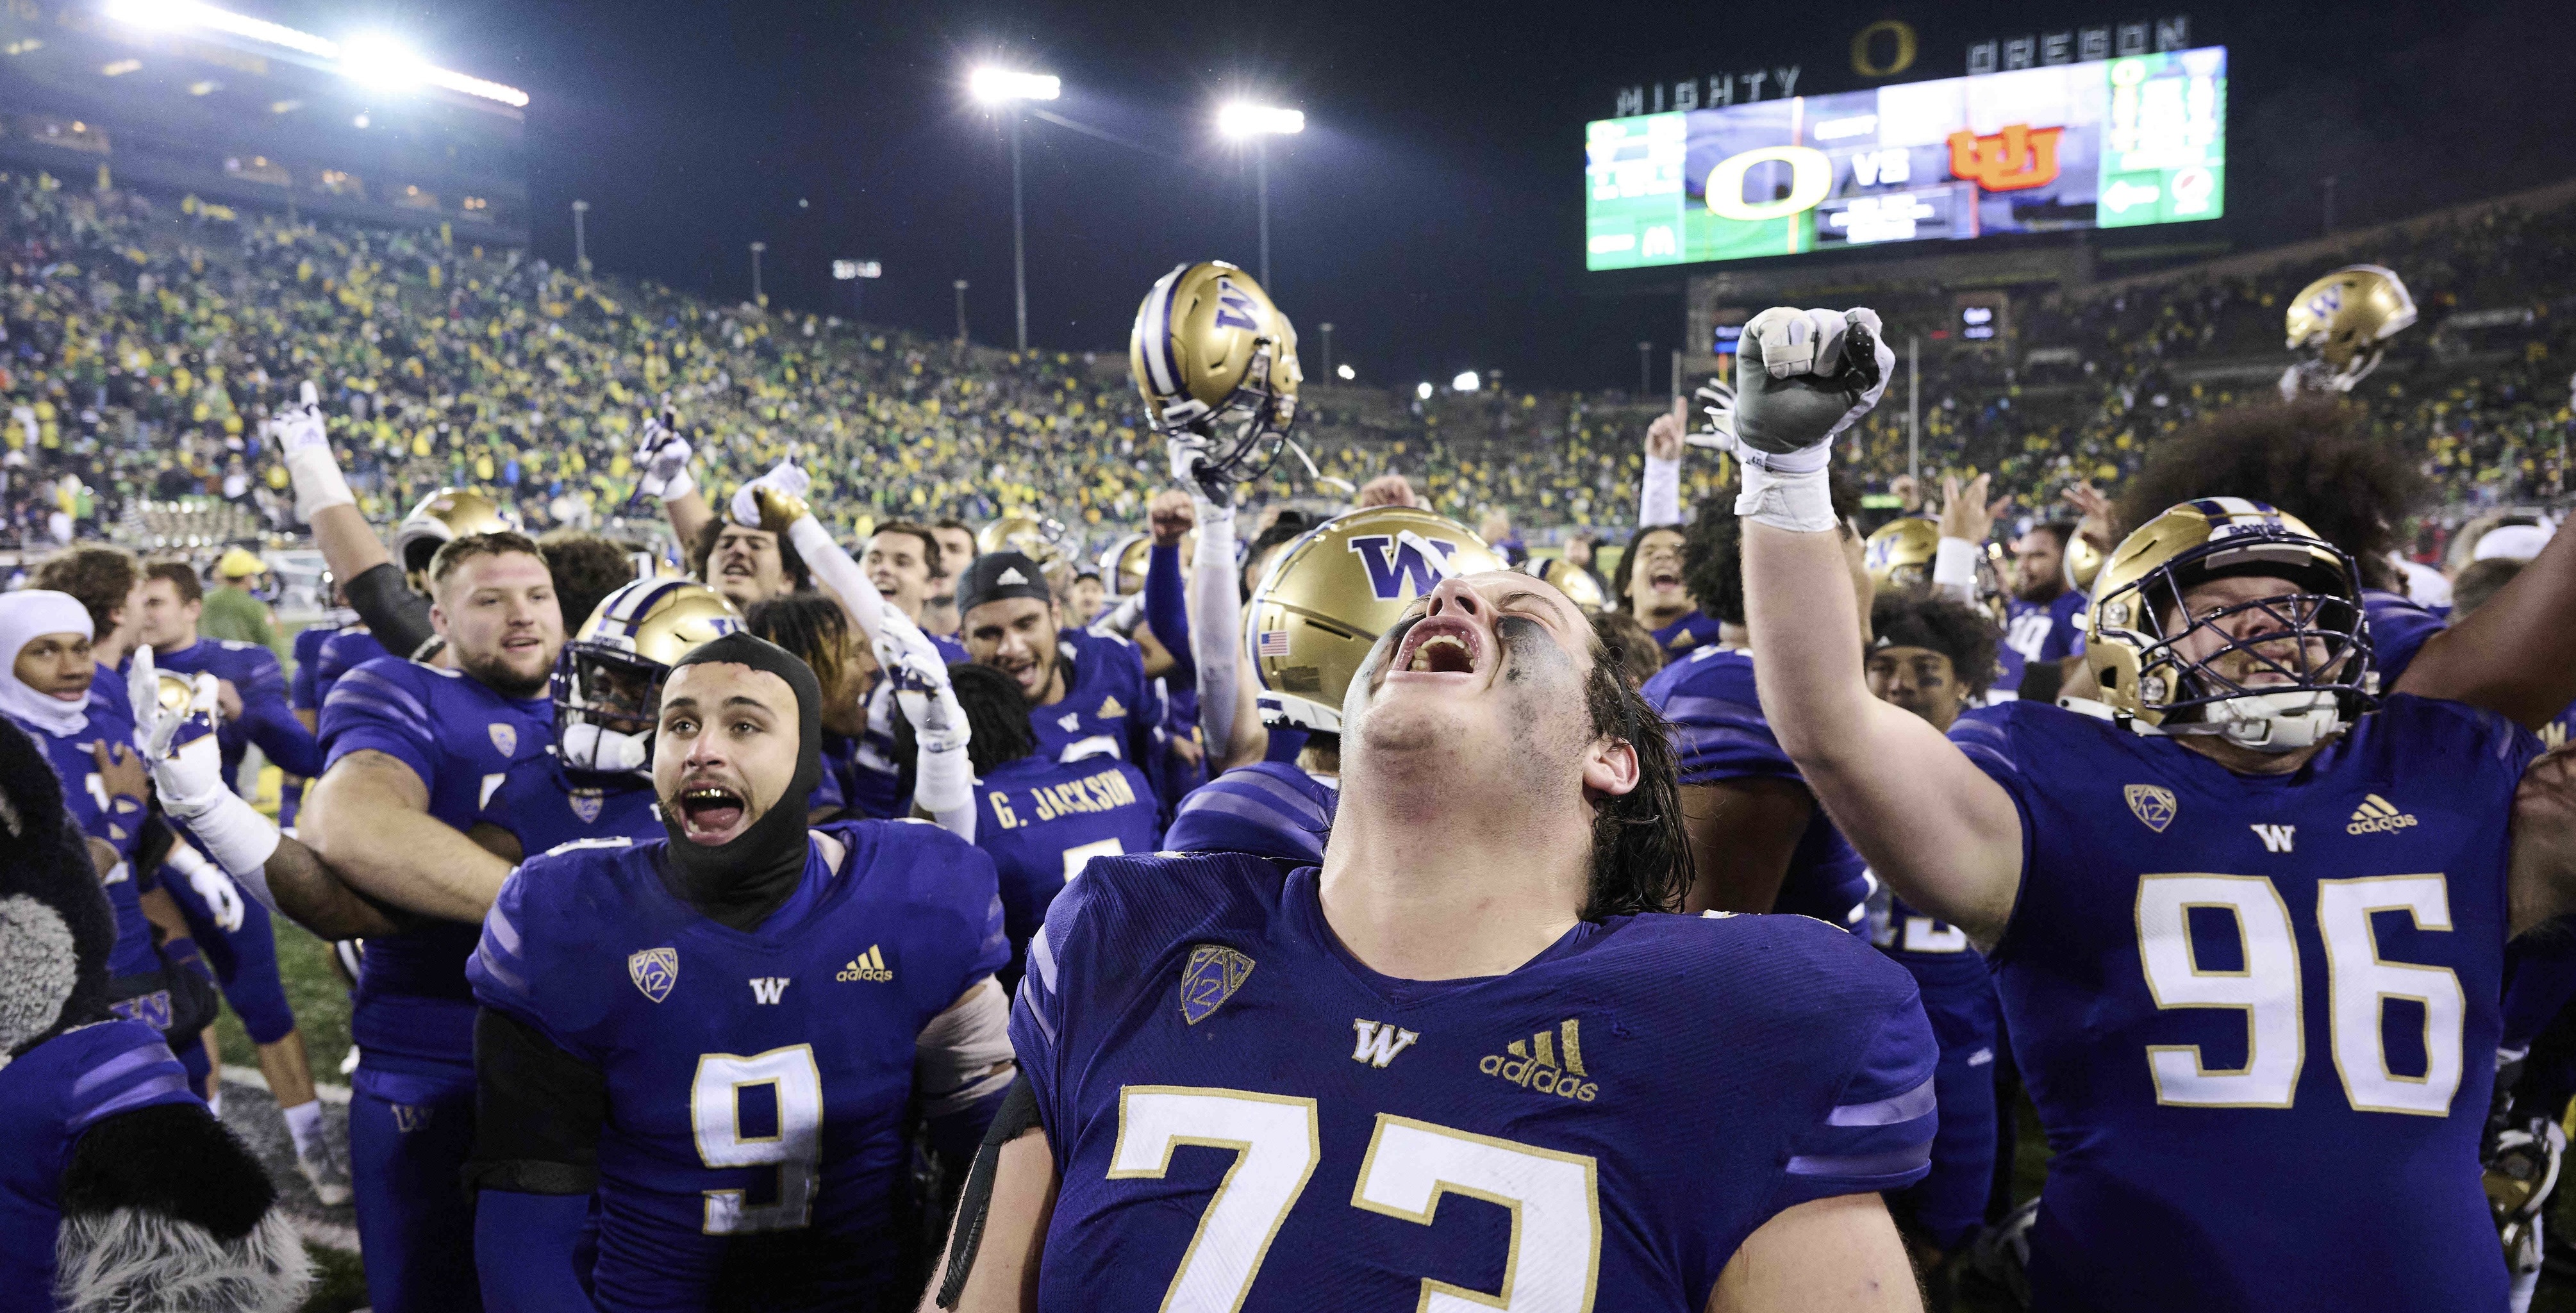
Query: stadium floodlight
(1348, 373)
(1242, 119)
(373, 61)
(1004, 88)
(1467, 382)
(995, 85)
(1422, 391)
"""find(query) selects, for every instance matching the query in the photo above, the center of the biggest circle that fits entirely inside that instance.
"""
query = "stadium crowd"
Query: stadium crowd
(147, 342)
(660, 1002)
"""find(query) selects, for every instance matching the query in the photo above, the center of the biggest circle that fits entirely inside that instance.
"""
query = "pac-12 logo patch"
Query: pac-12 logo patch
(505, 738)
(655, 971)
(1214, 973)
(586, 804)
(2153, 805)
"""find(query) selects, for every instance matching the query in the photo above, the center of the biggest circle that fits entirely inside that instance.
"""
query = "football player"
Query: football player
(2317, 460)
(411, 750)
(732, 555)
(2248, 932)
(1320, 609)
(1651, 583)
(718, 1035)
(1758, 841)
(304, 686)
(1041, 821)
(607, 683)
(118, 1190)
(956, 548)
(1230, 1060)
(234, 933)
(1925, 654)
(2041, 626)
(53, 690)
(1086, 690)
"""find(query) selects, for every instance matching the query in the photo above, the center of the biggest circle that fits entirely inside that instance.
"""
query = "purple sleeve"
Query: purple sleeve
(2064, 638)
(1878, 1134)
(126, 1068)
(1167, 611)
(374, 709)
(271, 723)
(1718, 730)
(2398, 630)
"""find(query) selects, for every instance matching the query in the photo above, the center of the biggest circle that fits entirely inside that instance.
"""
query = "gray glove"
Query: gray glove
(1804, 376)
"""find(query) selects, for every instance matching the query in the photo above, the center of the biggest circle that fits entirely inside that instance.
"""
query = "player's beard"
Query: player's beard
(494, 672)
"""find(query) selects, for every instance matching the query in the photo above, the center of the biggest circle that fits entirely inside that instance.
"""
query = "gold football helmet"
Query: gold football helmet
(1216, 360)
(1039, 540)
(1576, 584)
(440, 518)
(1900, 554)
(2083, 562)
(1122, 567)
(2248, 688)
(1328, 595)
(608, 680)
(2340, 324)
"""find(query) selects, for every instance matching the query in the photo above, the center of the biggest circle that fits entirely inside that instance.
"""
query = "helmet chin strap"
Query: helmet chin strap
(587, 746)
(2271, 722)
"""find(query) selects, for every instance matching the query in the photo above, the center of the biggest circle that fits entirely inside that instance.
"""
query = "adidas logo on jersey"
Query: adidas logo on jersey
(1532, 1064)
(1379, 1042)
(869, 965)
(2377, 815)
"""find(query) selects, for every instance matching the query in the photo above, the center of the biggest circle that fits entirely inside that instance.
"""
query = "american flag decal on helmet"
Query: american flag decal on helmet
(1274, 643)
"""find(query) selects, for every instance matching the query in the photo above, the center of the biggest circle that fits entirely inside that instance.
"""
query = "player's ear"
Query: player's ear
(1610, 768)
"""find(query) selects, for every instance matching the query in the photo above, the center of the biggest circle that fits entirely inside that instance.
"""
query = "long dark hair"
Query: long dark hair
(997, 723)
(1640, 854)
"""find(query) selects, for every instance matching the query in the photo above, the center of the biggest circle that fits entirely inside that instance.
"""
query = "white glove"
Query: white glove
(943, 774)
(784, 476)
(1804, 376)
(305, 442)
(174, 731)
(1188, 454)
(663, 456)
(1715, 401)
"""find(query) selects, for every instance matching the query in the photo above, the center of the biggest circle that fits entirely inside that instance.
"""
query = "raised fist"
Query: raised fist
(774, 501)
(1804, 376)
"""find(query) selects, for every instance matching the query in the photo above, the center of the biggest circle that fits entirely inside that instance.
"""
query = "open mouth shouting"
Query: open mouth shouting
(711, 813)
(1440, 646)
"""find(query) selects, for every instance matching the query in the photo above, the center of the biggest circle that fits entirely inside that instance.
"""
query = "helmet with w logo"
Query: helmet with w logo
(1216, 361)
(2279, 669)
(608, 681)
(2341, 323)
(1328, 596)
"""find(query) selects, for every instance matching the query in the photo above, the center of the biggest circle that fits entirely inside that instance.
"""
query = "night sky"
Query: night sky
(1433, 208)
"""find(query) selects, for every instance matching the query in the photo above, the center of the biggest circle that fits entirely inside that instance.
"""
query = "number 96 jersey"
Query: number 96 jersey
(1243, 1116)
(2255, 1011)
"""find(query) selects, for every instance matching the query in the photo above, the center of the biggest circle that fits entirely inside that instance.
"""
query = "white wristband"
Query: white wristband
(1954, 565)
(1799, 501)
(239, 839)
(943, 782)
(318, 481)
(677, 486)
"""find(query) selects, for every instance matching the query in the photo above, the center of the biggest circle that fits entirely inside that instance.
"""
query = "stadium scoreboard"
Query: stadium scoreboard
(2104, 144)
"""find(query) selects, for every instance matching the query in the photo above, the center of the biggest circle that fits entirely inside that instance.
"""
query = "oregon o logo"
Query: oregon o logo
(1903, 59)
(1811, 178)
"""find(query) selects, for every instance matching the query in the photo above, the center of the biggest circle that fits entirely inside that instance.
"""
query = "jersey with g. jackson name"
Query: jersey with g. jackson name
(757, 1079)
(1719, 734)
(462, 739)
(1043, 821)
(1244, 1116)
(2256, 1013)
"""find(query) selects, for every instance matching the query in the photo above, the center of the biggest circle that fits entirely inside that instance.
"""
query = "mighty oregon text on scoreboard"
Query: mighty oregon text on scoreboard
(2105, 144)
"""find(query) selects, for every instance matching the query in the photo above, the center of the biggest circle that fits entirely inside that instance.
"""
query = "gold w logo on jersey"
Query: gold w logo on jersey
(2377, 815)
(1533, 1064)
(2152, 804)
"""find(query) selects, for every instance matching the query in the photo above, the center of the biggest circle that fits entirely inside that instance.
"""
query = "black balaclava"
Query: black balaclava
(741, 881)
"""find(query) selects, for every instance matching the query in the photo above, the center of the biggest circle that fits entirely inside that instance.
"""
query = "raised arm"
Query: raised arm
(1167, 610)
(1931, 824)
(1000, 1231)
(1659, 493)
(662, 472)
(2516, 655)
(397, 616)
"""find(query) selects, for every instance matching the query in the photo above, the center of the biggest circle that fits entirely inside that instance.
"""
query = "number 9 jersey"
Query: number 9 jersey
(1243, 1116)
(2256, 1012)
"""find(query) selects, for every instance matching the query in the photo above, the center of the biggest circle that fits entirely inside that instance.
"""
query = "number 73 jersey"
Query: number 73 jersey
(2257, 1014)
(1244, 1116)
